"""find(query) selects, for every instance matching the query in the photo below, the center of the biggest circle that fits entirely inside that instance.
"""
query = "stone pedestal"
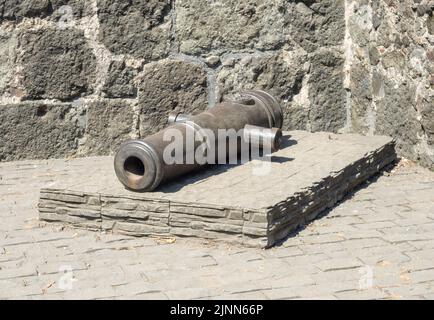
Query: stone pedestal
(255, 204)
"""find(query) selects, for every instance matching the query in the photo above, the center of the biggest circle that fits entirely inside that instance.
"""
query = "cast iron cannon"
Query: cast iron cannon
(142, 165)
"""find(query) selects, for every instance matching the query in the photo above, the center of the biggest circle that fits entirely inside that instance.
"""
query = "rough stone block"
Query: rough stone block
(14, 9)
(361, 87)
(203, 26)
(72, 208)
(390, 75)
(320, 169)
(55, 64)
(108, 124)
(120, 80)
(75, 221)
(138, 229)
(39, 131)
(427, 120)
(139, 28)
(7, 58)
(315, 24)
(221, 26)
(326, 92)
(309, 86)
(167, 86)
(281, 74)
(397, 118)
(19, 9)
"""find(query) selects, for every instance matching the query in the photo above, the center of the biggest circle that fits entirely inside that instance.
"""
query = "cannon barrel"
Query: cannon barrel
(140, 164)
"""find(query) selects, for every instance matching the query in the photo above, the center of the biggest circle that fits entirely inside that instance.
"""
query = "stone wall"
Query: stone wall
(390, 73)
(77, 77)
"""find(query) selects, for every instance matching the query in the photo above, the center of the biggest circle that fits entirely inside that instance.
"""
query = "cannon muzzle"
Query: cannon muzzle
(142, 165)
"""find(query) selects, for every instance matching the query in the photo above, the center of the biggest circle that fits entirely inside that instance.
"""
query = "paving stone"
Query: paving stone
(339, 264)
(423, 244)
(20, 272)
(136, 288)
(408, 291)
(305, 259)
(363, 243)
(369, 294)
(348, 276)
(324, 247)
(291, 281)
(100, 292)
(192, 293)
(256, 295)
(411, 237)
(373, 257)
(281, 294)
(324, 288)
(324, 297)
(375, 225)
(144, 296)
(421, 254)
(322, 239)
(282, 253)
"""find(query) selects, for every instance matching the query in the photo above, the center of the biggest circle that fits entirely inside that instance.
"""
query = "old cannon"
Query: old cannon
(254, 116)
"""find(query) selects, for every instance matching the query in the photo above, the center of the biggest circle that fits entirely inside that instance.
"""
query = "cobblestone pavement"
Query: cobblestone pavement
(379, 243)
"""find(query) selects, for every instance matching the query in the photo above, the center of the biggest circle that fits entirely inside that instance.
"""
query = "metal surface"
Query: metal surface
(140, 164)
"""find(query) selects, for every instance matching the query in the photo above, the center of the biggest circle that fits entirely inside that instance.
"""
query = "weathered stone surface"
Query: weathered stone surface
(139, 229)
(360, 24)
(391, 68)
(39, 130)
(263, 25)
(395, 120)
(427, 121)
(320, 169)
(120, 80)
(13, 9)
(168, 86)
(72, 208)
(280, 74)
(430, 24)
(18, 9)
(7, 56)
(203, 26)
(116, 210)
(361, 88)
(109, 123)
(55, 64)
(314, 24)
(140, 28)
(326, 92)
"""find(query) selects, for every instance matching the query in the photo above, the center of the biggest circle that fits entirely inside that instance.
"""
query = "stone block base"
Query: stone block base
(255, 204)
